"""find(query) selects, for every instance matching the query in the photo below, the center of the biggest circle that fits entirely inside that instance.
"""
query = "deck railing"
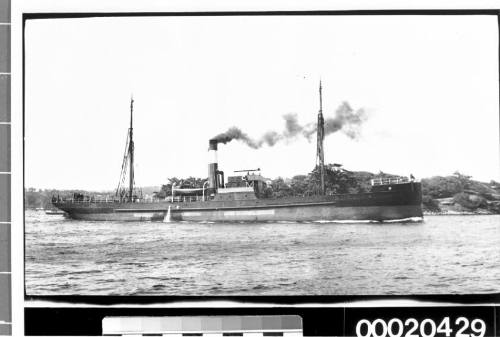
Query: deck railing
(91, 200)
(389, 181)
(191, 198)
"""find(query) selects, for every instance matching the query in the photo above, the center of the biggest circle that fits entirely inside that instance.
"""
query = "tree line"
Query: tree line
(464, 191)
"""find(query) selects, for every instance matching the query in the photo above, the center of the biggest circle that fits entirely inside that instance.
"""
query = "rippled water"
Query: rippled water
(444, 254)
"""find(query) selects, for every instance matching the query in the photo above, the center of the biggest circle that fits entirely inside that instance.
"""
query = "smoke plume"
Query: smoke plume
(236, 133)
(345, 120)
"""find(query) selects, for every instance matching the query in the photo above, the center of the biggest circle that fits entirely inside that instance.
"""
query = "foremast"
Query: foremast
(320, 156)
(128, 163)
(131, 151)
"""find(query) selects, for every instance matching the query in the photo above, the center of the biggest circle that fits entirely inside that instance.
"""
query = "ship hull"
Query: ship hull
(386, 205)
(305, 213)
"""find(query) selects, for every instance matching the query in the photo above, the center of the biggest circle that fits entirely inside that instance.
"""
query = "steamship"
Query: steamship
(242, 197)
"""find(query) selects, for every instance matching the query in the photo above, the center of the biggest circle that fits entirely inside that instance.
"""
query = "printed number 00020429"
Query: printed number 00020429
(425, 328)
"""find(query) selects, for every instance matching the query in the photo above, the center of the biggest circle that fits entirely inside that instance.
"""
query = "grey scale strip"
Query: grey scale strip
(5, 170)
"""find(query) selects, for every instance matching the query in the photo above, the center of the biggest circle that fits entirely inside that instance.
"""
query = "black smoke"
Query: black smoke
(345, 120)
(236, 133)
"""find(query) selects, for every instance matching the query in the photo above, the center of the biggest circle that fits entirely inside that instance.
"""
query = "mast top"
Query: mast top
(131, 109)
(320, 98)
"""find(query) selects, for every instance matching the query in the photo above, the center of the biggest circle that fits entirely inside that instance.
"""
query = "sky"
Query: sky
(428, 86)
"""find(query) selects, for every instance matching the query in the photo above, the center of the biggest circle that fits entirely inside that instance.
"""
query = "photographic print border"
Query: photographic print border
(289, 300)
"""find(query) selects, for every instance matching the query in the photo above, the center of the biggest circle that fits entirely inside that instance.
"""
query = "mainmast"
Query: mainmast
(320, 156)
(131, 152)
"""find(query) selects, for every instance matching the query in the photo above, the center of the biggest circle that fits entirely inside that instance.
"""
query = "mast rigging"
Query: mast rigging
(131, 153)
(128, 162)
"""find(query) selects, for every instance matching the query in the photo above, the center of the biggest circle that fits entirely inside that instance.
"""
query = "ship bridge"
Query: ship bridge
(248, 186)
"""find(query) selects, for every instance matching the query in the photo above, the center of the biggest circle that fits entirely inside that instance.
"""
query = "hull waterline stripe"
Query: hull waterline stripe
(197, 209)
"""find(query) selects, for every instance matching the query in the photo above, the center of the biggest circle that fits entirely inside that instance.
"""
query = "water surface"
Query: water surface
(442, 255)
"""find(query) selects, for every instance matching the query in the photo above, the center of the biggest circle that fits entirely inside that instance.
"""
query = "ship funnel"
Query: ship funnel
(212, 164)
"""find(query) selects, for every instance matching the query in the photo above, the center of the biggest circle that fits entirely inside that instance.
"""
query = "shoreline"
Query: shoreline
(426, 213)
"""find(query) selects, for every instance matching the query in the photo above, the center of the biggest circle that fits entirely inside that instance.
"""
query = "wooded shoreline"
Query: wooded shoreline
(456, 194)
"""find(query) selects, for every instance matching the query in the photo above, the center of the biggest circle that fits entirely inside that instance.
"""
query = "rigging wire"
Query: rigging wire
(123, 172)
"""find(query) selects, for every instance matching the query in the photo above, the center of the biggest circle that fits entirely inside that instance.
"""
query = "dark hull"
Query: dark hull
(395, 202)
